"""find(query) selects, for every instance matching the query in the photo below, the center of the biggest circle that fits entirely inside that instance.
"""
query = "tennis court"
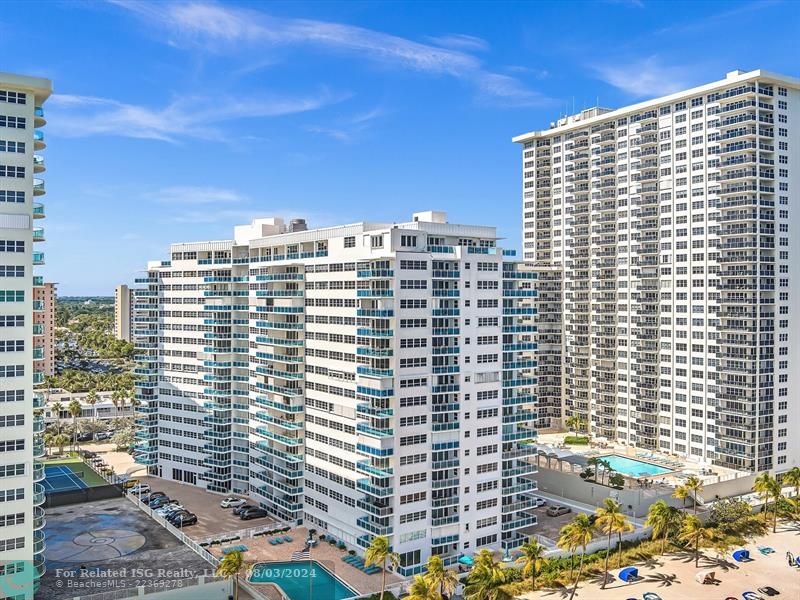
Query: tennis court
(61, 478)
(69, 474)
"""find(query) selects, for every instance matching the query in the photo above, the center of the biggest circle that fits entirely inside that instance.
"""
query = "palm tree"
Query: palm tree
(775, 489)
(444, 579)
(692, 532)
(487, 579)
(664, 519)
(532, 559)
(681, 493)
(581, 533)
(230, 566)
(422, 588)
(56, 409)
(762, 486)
(694, 486)
(91, 400)
(606, 470)
(792, 477)
(565, 543)
(611, 520)
(380, 552)
(75, 410)
(48, 441)
(594, 462)
(61, 440)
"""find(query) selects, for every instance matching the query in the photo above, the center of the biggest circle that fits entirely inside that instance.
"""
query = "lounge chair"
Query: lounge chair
(765, 550)
(287, 538)
(741, 556)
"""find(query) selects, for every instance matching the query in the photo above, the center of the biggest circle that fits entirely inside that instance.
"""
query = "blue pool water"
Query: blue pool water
(632, 467)
(293, 578)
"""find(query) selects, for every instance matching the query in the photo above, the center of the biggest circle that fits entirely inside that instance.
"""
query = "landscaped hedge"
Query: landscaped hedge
(576, 439)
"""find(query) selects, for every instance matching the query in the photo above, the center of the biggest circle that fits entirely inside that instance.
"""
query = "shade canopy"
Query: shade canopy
(741, 555)
(466, 560)
(628, 574)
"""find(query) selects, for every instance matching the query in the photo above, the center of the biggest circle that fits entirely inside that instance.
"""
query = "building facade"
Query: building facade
(367, 379)
(22, 337)
(44, 319)
(667, 225)
(102, 410)
(123, 297)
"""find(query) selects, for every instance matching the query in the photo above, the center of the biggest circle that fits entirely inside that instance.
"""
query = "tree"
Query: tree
(693, 533)
(56, 410)
(606, 470)
(616, 480)
(422, 588)
(664, 521)
(761, 486)
(694, 486)
(565, 543)
(532, 559)
(594, 461)
(123, 438)
(61, 440)
(48, 441)
(487, 579)
(726, 511)
(775, 490)
(91, 400)
(380, 552)
(792, 477)
(443, 579)
(580, 534)
(681, 493)
(611, 520)
(74, 410)
(229, 567)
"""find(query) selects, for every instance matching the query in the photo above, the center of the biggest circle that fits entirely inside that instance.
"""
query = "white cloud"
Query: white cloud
(460, 41)
(187, 194)
(220, 28)
(186, 117)
(346, 130)
(648, 77)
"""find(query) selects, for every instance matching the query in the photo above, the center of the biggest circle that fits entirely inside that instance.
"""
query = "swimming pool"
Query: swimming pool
(632, 467)
(293, 578)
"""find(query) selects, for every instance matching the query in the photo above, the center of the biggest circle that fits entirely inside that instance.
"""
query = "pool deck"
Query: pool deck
(260, 550)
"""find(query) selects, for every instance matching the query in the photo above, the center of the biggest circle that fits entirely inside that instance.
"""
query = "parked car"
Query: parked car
(183, 519)
(540, 502)
(103, 435)
(169, 510)
(139, 488)
(85, 437)
(129, 484)
(88, 454)
(151, 496)
(253, 513)
(159, 502)
(240, 509)
(231, 502)
(554, 511)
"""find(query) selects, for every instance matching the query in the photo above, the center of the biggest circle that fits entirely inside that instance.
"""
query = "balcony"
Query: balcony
(38, 542)
(38, 187)
(38, 140)
(38, 164)
(38, 518)
(38, 258)
(38, 494)
(38, 329)
(38, 377)
(38, 210)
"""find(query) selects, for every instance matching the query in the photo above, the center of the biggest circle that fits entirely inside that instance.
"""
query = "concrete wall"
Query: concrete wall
(571, 486)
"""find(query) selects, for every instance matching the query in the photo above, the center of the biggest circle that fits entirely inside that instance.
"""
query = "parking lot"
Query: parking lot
(211, 519)
(110, 544)
(548, 526)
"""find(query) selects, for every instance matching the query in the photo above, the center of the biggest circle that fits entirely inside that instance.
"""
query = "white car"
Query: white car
(231, 502)
(169, 508)
(142, 488)
(540, 502)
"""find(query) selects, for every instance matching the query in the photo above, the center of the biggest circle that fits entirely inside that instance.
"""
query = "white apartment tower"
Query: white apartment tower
(123, 296)
(367, 379)
(21, 494)
(664, 232)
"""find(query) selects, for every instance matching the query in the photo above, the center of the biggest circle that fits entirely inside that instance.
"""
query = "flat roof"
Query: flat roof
(41, 87)
(732, 78)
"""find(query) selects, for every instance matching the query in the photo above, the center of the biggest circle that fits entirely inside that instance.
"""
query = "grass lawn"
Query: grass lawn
(76, 465)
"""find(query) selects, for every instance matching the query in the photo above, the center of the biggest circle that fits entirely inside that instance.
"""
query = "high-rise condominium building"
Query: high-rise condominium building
(669, 266)
(22, 339)
(44, 319)
(367, 379)
(123, 299)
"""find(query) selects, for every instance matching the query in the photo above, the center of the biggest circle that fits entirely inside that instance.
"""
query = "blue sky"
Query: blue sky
(176, 121)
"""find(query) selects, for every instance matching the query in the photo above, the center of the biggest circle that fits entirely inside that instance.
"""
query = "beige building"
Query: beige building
(122, 313)
(44, 320)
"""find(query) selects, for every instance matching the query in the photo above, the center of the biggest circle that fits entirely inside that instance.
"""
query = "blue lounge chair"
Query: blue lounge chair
(287, 538)
(629, 574)
(741, 556)
(765, 550)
